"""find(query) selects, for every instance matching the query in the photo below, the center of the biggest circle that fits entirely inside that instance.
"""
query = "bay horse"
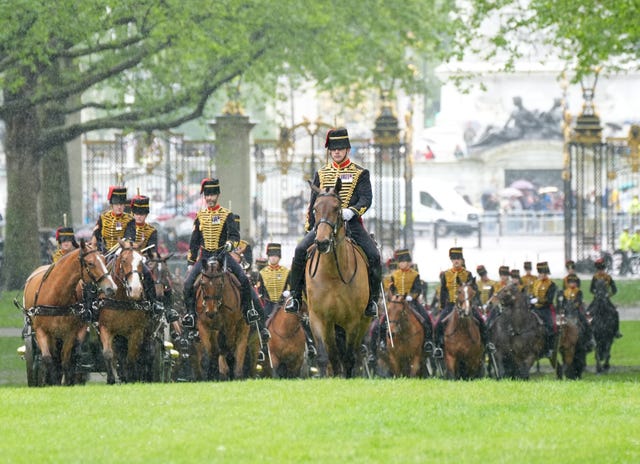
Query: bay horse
(337, 288)
(406, 357)
(224, 334)
(571, 343)
(126, 315)
(603, 322)
(287, 343)
(463, 350)
(51, 303)
(517, 334)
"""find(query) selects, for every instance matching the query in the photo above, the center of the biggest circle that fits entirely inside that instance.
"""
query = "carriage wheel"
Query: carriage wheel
(35, 374)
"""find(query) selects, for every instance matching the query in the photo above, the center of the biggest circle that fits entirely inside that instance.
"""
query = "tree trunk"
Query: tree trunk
(22, 241)
(55, 195)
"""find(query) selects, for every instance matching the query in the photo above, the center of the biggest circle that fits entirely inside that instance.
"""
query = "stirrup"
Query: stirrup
(437, 353)
(428, 347)
(265, 335)
(261, 356)
(251, 315)
(491, 348)
(292, 305)
(311, 351)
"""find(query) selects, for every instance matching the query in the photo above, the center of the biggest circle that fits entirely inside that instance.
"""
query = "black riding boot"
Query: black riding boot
(428, 337)
(375, 273)
(484, 336)
(312, 352)
(296, 279)
(189, 320)
(439, 339)
(383, 329)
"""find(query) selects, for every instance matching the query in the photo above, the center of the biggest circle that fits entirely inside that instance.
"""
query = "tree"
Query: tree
(150, 65)
(585, 33)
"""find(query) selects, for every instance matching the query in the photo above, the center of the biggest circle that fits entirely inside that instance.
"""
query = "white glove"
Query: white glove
(189, 267)
(409, 298)
(228, 247)
(533, 300)
(286, 293)
(347, 214)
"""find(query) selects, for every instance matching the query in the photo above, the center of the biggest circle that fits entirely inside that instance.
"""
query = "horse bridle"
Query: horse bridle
(133, 271)
(85, 268)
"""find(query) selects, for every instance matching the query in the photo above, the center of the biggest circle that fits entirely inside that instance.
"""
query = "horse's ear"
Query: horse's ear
(313, 187)
(83, 244)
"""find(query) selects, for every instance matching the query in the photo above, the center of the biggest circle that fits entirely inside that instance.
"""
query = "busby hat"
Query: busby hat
(140, 204)
(600, 264)
(543, 268)
(481, 270)
(261, 263)
(337, 139)
(274, 249)
(503, 270)
(527, 265)
(65, 234)
(573, 279)
(570, 264)
(515, 273)
(117, 195)
(210, 187)
(455, 253)
(403, 255)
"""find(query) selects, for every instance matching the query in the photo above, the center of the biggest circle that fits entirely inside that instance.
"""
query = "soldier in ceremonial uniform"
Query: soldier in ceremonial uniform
(485, 286)
(528, 279)
(601, 274)
(573, 293)
(112, 225)
(356, 197)
(274, 288)
(215, 230)
(145, 236)
(544, 292)
(405, 280)
(504, 274)
(515, 278)
(570, 266)
(449, 282)
(66, 242)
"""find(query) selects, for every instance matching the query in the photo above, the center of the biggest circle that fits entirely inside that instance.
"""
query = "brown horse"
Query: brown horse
(463, 351)
(571, 343)
(337, 288)
(125, 315)
(223, 331)
(406, 357)
(51, 304)
(286, 345)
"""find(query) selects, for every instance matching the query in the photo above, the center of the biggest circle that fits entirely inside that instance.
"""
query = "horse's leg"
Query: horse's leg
(241, 351)
(65, 356)
(107, 353)
(134, 345)
(44, 343)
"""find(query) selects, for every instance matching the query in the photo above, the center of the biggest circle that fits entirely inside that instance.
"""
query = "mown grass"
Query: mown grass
(324, 421)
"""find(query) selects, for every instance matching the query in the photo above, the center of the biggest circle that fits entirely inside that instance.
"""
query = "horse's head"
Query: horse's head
(94, 268)
(328, 214)
(160, 273)
(211, 286)
(464, 297)
(128, 270)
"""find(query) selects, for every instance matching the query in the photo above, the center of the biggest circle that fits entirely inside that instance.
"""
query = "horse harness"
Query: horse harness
(219, 287)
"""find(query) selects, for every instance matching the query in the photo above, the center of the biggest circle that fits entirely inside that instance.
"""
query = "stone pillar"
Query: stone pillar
(233, 167)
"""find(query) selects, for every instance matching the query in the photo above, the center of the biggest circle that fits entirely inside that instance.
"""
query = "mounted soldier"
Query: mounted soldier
(66, 242)
(544, 292)
(611, 289)
(355, 196)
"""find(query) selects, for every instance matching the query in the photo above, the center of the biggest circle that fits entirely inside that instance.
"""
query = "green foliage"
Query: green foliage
(586, 33)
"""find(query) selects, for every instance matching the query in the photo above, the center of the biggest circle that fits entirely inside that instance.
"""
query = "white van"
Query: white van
(435, 204)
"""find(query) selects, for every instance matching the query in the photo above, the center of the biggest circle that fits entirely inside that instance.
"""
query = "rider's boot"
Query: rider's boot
(374, 286)
(383, 331)
(189, 320)
(312, 352)
(588, 333)
(484, 336)
(438, 352)
(296, 279)
(428, 346)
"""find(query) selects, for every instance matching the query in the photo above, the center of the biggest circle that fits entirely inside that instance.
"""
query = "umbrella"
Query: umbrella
(549, 189)
(522, 184)
(510, 192)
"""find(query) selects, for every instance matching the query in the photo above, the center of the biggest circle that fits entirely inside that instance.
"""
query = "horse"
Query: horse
(570, 342)
(406, 357)
(125, 315)
(337, 288)
(51, 303)
(287, 344)
(463, 350)
(603, 322)
(224, 334)
(517, 334)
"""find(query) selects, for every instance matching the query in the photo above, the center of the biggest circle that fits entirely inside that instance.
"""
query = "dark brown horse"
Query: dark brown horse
(463, 350)
(125, 315)
(517, 334)
(223, 331)
(571, 342)
(406, 357)
(286, 345)
(337, 288)
(51, 304)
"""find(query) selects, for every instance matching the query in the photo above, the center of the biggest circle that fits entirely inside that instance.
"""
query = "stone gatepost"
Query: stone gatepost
(233, 167)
